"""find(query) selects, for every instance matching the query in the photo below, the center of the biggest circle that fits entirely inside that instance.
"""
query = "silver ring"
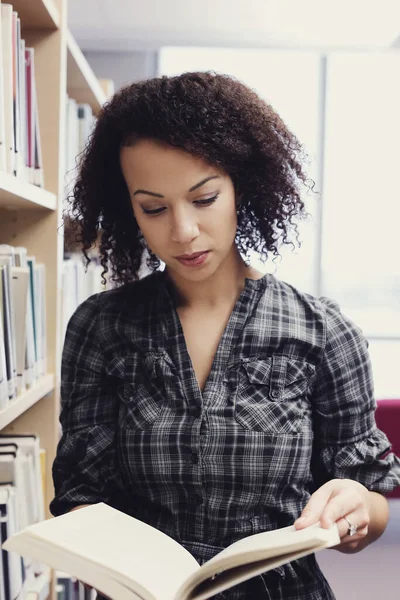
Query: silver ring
(352, 530)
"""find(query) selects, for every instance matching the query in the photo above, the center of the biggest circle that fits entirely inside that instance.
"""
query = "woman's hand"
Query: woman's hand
(346, 503)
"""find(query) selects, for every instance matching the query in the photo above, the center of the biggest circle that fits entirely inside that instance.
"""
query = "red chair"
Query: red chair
(388, 420)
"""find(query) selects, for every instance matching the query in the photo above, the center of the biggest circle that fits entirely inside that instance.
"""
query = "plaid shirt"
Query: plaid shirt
(288, 405)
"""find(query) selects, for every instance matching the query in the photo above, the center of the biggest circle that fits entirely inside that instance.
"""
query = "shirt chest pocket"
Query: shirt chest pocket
(272, 394)
(143, 391)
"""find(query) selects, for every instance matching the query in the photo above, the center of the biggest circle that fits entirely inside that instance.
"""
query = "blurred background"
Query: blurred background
(331, 70)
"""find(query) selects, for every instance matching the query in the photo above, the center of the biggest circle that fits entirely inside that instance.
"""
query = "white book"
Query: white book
(8, 83)
(72, 144)
(22, 109)
(31, 264)
(8, 250)
(8, 323)
(19, 302)
(7, 259)
(69, 303)
(40, 316)
(21, 260)
(126, 559)
(38, 160)
(2, 120)
(15, 470)
(3, 367)
(3, 360)
(12, 564)
(19, 158)
(2, 572)
(29, 445)
(30, 112)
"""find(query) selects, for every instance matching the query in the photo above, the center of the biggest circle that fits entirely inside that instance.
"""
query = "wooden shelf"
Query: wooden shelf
(37, 14)
(19, 405)
(82, 84)
(16, 194)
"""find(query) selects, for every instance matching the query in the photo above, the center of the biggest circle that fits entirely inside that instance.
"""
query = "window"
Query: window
(360, 252)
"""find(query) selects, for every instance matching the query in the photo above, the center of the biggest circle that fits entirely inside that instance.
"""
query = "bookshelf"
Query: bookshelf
(18, 406)
(20, 195)
(82, 85)
(38, 14)
(32, 217)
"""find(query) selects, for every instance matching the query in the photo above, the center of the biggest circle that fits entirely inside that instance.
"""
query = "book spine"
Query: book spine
(3, 166)
(7, 55)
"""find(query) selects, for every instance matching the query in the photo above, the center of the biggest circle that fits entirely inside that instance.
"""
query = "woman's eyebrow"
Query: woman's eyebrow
(194, 187)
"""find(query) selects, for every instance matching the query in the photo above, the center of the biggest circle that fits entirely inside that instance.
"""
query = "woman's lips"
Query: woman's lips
(198, 259)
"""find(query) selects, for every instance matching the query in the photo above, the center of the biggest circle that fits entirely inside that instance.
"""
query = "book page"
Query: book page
(254, 555)
(133, 553)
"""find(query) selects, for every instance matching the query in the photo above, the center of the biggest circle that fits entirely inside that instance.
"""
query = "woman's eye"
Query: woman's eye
(156, 211)
(159, 211)
(206, 201)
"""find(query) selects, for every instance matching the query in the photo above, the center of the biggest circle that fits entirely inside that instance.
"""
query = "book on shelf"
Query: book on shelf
(37, 176)
(7, 91)
(20, 147)
(13, 565)
(23, 320)
(39, 271)
(19, 291)
(21, 485)
(4, 387)
(69, 588)
(19, 577)
(29, 446)
(19, 159)
(20, 467)
(79, 125)
(78, 283)
(22, 261)
(7, 314)
(3, 166)
(126, 559)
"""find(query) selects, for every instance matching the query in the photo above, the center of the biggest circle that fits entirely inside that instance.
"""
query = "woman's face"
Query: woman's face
(182, 205)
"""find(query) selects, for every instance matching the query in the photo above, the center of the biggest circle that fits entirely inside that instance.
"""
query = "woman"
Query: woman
(207, 399)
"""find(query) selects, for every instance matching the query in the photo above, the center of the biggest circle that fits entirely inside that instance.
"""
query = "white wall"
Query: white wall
(123, 67)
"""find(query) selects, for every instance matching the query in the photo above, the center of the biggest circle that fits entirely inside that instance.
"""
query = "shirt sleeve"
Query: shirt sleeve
(348, 443)
(84, 470)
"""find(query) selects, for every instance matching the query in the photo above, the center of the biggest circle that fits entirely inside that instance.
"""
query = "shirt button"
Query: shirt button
(196, 412)
(274, 393)
(197, 499)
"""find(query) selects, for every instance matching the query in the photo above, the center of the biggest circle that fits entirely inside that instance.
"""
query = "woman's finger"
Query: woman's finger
(344, 527)
(315, 506)
(339, 506)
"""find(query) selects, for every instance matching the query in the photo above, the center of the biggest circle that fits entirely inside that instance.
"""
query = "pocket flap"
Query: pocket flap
(258, 371)
(291, 370)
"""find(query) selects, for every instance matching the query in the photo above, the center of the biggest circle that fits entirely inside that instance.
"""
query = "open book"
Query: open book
(126, 559)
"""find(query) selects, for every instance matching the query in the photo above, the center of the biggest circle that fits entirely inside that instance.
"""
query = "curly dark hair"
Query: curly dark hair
(214, 117)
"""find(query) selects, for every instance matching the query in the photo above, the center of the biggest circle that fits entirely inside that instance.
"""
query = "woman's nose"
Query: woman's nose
(184, 229)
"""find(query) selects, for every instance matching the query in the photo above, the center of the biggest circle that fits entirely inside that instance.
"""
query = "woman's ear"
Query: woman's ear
(238, 200)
